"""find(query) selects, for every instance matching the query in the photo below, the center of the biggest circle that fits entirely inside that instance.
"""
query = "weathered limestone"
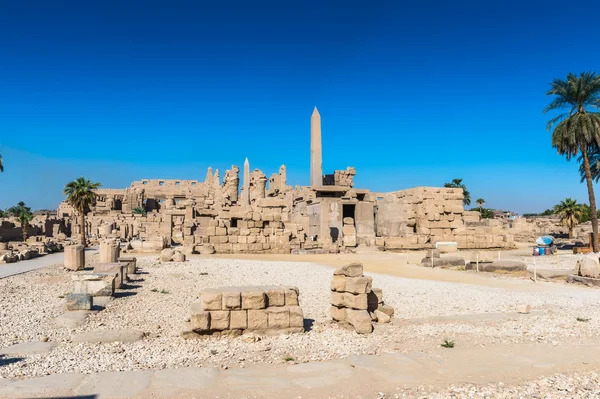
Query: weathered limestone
(78, 302)
(354, 301)
(95, 284)
(434, 259)
(112, 268)
(588, 267)
(130, 264)
(234, 310)
(169, 255)
(109, 251)
(74, 257)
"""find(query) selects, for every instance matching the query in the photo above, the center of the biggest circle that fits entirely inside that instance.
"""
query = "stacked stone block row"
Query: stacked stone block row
(355, 301)
(234, 310)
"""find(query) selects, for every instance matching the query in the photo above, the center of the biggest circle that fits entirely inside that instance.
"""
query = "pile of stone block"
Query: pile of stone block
(268, 310)
(354, 301)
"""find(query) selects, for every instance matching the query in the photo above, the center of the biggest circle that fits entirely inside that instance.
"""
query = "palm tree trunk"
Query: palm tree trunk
(24, 229)
(82, 227)
(590, 187)
(570, 233)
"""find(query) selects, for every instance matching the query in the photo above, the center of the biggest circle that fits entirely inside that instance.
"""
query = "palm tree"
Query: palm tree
(457, 183)
(1, 164)
(138, 210)
(80, 194)
(570, 213)
(23, 213)
(594, 157)
(480, 202)
(578, 128)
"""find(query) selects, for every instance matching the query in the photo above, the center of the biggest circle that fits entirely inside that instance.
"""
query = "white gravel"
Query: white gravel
(30, 302)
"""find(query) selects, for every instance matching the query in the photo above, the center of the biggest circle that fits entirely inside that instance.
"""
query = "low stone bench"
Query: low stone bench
(118, 268)
(95, 284)
(268, 310)
(130, 263)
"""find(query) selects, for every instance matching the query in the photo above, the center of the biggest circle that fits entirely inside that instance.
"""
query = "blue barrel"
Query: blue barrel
(542, 250)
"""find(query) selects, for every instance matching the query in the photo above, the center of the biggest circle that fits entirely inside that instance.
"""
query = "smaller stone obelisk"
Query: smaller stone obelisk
(246, 187)
(316, 152)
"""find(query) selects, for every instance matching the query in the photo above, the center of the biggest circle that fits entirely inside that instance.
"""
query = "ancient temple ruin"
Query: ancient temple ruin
(267, 215)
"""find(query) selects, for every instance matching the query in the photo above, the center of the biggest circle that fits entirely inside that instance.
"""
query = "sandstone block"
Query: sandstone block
(291, 296)
(74, 257)
(338, 283)
(278, 317)
(219, 320)
(351, 270)
(382, 317)
(253, 300)
(178, 256)
(200, 320)
(338, 313)
(258, 319)
(296, 316)
(211, 299)
(109, 251)
(358, 285)
(113, 268)
(275, 297)
(79, 302)
(387, 309)
(238, 319)
(166, 255)
(524, 309)
(232, 300)
(95, 284)
(360, 320)
(588, 267)
(130, 264)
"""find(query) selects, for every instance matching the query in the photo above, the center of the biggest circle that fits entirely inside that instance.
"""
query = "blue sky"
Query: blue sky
(410, 93)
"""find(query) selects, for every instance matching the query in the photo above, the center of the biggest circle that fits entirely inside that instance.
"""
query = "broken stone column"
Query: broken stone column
(74, 257)
(109, 251)
(355, 302)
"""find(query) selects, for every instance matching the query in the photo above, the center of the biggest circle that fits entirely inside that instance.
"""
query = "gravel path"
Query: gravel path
(30, 302)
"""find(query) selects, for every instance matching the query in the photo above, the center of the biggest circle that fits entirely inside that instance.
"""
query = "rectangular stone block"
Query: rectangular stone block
(109, 251)
(279, 317)
(338, 283)
(211, 299)
(200, 319)
(74, 257)
(130, 264)
(95, 284)
(253, 300)
(238, 319)
(291, 296)
(296, 316)
(338, 313)
(358, 285)
(387, 309)
(232, 300)
(275, 296)
(113, 267)
(360, 320)
(79, 302)
(337, 299)
(219, 320)
(258, 319)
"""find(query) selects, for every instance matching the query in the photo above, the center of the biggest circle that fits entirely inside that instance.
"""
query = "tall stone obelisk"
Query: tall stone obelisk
(316, 151)
(246, 187)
